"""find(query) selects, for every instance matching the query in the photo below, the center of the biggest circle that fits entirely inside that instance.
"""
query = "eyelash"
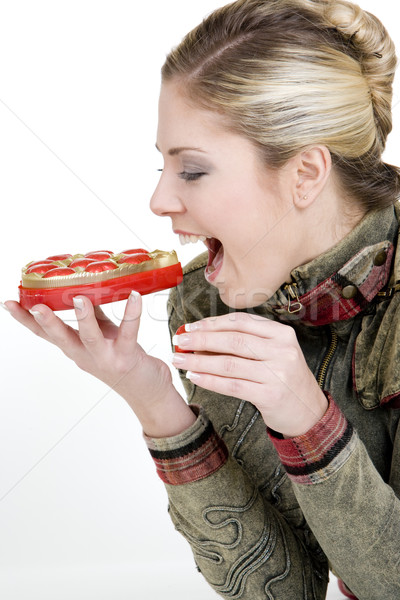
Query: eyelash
(187, 176)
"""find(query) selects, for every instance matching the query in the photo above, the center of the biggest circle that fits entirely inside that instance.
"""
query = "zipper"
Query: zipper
(327, 358)
(294, 304)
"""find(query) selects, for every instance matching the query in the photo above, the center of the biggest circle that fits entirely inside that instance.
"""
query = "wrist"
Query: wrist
(311, 417)
(166, 418)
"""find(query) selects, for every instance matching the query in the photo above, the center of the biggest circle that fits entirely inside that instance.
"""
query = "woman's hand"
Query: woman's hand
(258, 360)
(113, 355)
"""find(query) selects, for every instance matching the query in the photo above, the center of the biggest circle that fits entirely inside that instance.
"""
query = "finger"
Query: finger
(27, 319)
(100, 314)
(223, 366)
(108, 328)
(242, 322)
(128, 330)
(89, 330)
(268, 402)
(237, 388)
(55, 330)
(225, 342)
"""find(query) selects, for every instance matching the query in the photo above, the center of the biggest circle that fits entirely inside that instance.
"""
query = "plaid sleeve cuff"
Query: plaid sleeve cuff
(190, 456)
(313, 457)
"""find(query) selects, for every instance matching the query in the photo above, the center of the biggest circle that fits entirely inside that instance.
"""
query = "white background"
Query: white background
(82, 513)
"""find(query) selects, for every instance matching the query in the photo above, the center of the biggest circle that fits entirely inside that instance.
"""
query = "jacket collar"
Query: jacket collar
(340, 283)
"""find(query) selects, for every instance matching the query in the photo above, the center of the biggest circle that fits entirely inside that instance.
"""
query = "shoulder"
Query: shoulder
(376, 364)
(376, 367)
(196, 264)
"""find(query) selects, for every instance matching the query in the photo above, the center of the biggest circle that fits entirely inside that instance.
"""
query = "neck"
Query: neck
(325, 223)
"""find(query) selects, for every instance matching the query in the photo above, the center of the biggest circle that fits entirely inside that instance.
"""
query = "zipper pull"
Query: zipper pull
(296, 306)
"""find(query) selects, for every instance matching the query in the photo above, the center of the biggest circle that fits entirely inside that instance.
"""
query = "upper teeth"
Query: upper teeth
(191, 239)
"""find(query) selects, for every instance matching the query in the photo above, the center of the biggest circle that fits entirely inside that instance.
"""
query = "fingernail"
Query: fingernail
(192, 376)
(78, 303)
(133, 296)
(4, 306)
(192, 326)
(36, 314)
(177, 359)
(180, 340)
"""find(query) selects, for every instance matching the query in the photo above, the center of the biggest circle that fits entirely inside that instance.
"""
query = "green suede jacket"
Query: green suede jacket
(265, 516)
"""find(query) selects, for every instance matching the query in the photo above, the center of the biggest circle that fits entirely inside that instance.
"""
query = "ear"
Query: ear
(312, 168)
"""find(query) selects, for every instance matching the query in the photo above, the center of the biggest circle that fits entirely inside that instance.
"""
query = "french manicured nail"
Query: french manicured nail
(133, 296)
(192, 376)
(78, 303)
(177, 359)
(181, 340)
(4, 306)
(36, 314)
(192, 326)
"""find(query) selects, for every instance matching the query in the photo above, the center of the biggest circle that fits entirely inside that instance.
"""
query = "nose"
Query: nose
(165, 200)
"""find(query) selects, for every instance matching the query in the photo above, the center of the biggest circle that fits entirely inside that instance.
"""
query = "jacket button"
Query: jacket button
(349, 292)
(380, 258)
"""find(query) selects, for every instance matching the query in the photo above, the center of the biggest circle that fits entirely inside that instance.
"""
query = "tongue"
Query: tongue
(213, 246)
(215, 254)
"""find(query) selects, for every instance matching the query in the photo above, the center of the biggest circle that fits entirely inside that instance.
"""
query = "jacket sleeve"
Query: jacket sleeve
(243, 547)
(242, 543)
(354, 514)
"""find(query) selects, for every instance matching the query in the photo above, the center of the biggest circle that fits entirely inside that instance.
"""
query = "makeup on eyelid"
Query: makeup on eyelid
(191, 176)
(188, 171)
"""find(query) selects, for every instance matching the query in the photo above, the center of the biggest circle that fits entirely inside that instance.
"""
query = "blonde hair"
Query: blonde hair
(290, 73)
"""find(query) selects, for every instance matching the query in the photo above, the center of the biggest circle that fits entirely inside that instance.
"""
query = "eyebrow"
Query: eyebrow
(179, 149)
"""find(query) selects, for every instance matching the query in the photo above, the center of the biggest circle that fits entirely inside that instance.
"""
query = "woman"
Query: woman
(273, 118)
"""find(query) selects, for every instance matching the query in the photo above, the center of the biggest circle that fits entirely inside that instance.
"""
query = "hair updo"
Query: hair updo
(287, 74)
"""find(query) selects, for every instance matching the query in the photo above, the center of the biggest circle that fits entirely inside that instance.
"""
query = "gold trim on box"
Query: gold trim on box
(159, 259)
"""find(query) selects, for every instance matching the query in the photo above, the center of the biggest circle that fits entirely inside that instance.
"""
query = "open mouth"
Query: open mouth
(215, 252)
(215, 258)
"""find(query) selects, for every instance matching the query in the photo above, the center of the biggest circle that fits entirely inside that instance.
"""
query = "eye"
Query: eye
(188, 176)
